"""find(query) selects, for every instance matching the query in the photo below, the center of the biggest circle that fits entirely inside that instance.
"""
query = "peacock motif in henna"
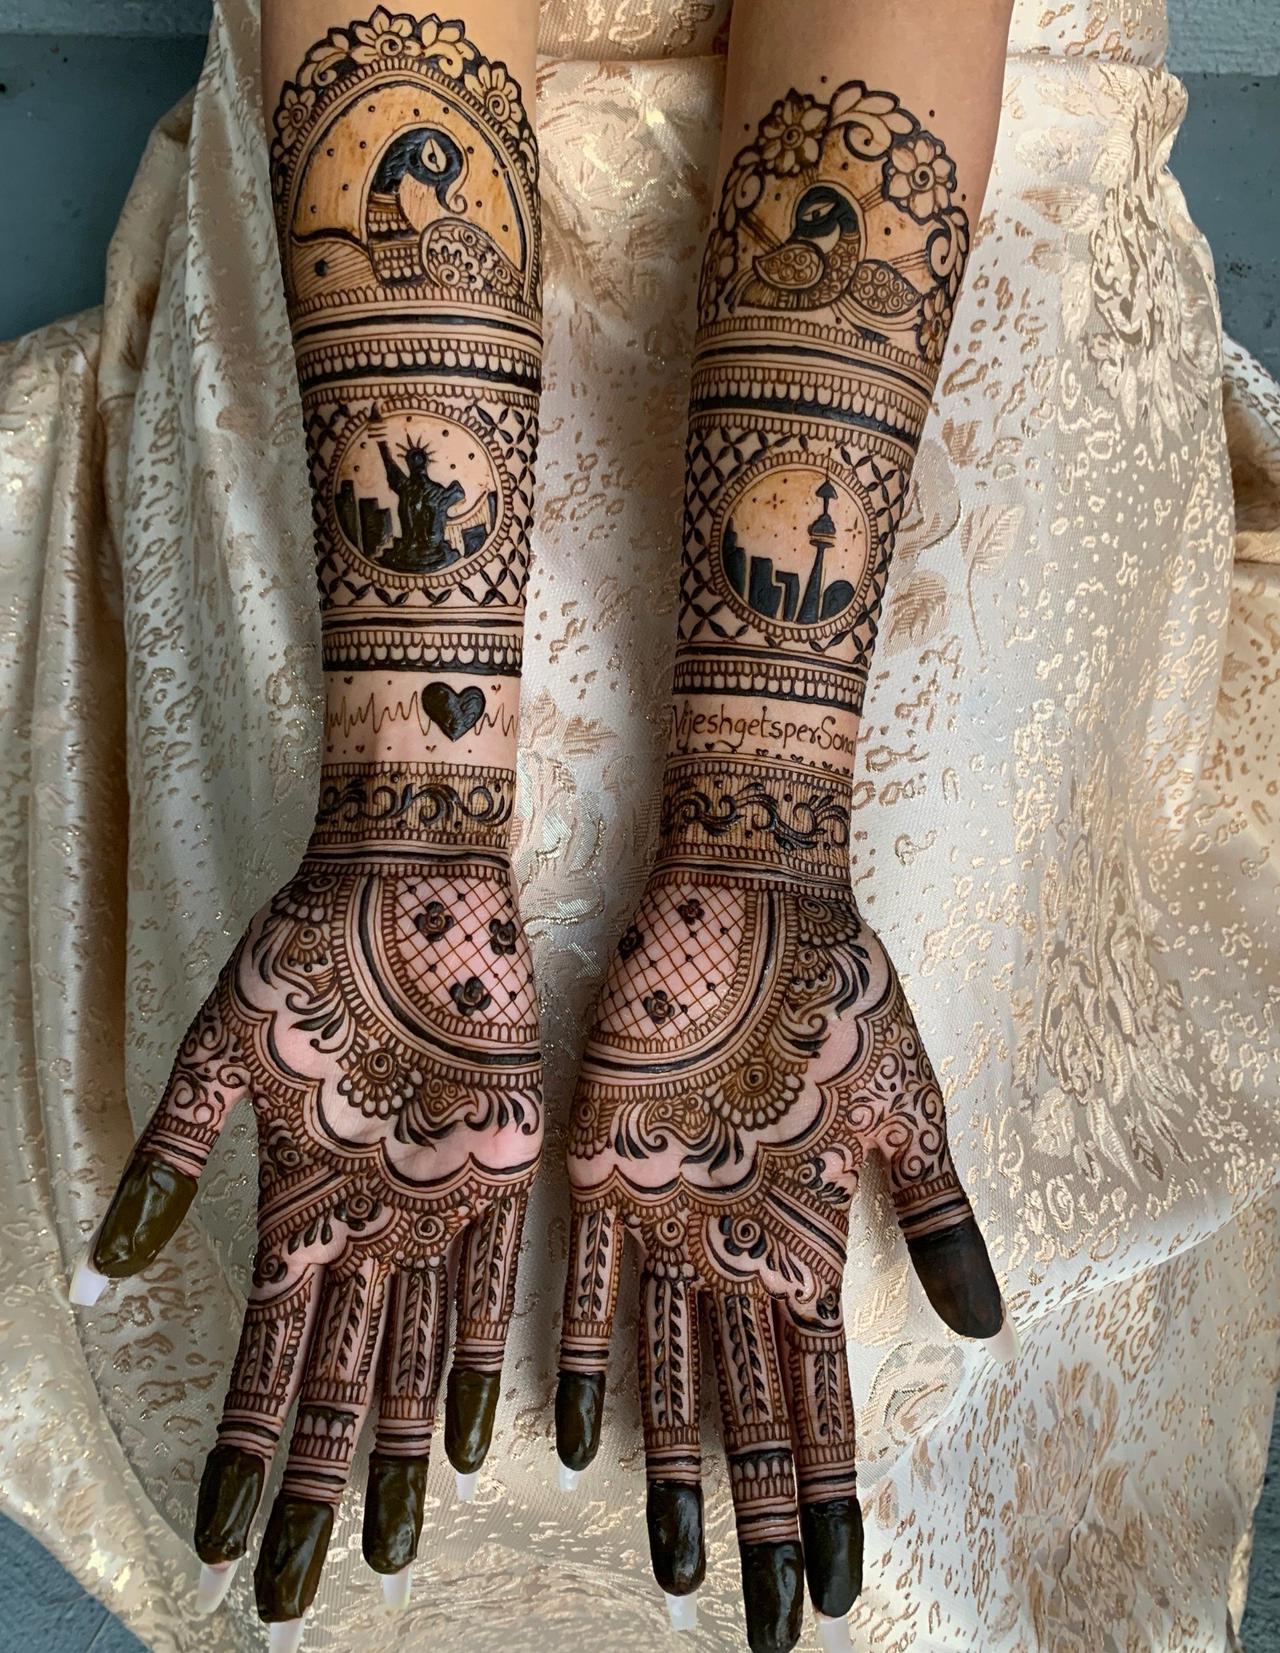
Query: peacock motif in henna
(752, 1044)
(380, 1014)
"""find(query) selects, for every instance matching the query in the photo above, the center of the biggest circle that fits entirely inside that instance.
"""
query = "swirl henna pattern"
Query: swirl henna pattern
(752, 1044)
(380, 1013)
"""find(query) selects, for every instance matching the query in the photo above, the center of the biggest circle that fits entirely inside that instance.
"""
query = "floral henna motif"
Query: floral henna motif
(391, 1056)
(390, 1115)
(729, 1136)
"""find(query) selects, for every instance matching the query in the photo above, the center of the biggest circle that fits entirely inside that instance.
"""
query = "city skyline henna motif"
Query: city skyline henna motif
(752, 1045)
(825, 299)
(404, 172)
(380, 1013)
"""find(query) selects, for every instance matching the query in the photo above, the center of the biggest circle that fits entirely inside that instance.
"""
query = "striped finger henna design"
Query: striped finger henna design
(752, 1043)
(380, 1014)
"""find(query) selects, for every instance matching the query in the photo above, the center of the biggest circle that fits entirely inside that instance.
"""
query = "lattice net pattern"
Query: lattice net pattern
(453, 934)
(678, 964)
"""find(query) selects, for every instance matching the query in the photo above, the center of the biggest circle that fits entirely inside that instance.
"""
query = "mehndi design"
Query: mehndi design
(752, 1043)
(380, 1013)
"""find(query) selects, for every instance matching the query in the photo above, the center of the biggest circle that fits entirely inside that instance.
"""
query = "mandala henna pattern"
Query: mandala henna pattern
(752, 1042)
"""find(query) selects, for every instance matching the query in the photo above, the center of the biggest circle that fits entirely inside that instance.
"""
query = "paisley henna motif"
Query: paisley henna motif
(390, 1053)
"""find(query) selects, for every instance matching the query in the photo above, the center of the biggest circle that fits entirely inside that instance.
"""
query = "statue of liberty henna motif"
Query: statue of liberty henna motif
(380, 1013)
(752, 1044)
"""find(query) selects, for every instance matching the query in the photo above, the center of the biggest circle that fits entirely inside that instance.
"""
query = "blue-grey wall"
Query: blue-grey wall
(82, 81)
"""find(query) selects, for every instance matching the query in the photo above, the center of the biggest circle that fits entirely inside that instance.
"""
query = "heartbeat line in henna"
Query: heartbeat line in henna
(435, 706)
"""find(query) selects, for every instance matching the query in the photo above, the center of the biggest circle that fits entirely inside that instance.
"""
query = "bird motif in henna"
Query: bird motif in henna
(380, 1012)
(752, 1044)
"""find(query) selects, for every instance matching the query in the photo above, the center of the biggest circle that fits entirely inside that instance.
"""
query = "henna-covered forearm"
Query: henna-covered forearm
(827, 292)
(753, 1043)
(405, 180)
(380, 1012)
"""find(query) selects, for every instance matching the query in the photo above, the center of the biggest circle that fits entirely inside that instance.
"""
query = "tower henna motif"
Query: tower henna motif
(380, 1013)
(752, 1043)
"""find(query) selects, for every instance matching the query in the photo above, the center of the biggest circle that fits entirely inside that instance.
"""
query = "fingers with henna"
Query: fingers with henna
(411, 1365)
(486, 1302)
(159, 1181)
(667, 1336)
(815, 1374)
(591, 1293)
(943, 1238)
(336, 1392)
(757, 1443)
(274, 1338)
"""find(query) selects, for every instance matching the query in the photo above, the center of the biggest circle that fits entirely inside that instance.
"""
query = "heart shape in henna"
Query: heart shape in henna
(453, 712)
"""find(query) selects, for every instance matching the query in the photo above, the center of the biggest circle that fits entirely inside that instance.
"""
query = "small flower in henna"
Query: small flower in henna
(502, 935)
(294, 114)
(919, 177)
(692, 911)
(309, 897)
(497, 92)
(631, 940)
(384, 36)
(433, 920)
(378, 1083)
(790, 136)
(470, 995)
(660, 1006)
(935, 319)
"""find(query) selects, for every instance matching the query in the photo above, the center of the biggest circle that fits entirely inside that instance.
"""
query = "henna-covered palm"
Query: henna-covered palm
(752, 1046)
(380, 1016)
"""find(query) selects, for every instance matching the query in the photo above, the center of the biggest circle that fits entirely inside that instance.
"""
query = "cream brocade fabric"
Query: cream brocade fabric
(1067, 836)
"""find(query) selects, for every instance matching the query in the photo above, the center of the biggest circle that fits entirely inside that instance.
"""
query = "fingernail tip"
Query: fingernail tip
(215, 1581)
(466, 1486)
(1006, 1345)
(567, 1479)
(396, 1588)
(833, 1634)
(87, 1284)
(285, 1636)
(682, 1611)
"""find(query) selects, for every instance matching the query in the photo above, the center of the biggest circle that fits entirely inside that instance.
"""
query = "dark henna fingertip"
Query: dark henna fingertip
(676, 1547)
(579, 1410)
(773, 1595)
(291, 1559)
(831, 1534)
(145, 1213)
(956, 1273)
(230, 1490)
(393, 1505)
(470, 1405)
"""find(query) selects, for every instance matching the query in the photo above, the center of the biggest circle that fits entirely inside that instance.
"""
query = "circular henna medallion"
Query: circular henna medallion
(416, 496)
(808, 583)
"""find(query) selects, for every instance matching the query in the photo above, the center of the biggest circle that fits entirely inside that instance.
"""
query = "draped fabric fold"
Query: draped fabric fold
(1067, 836)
